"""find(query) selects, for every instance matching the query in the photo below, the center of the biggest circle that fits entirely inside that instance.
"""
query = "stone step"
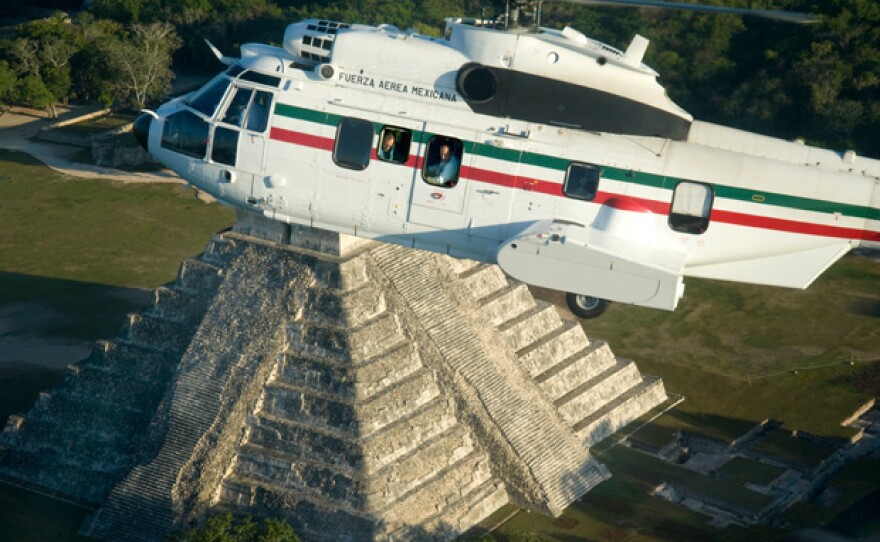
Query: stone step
(199, 276)
(461, 266)
(624, 409)
(340, 275)
(360, 489)
(417, 469)
(483, 280)
(151, 331)
(220, 250)
(507, 303)
(596, 392)
(302, 404)
(355, 382)
(575, 370)
(351, 308)
(461, 514)
(342, 345)
(445, 487)
(175, 304)
(558, 344)
(123, 357)
(407, 433)
(529, 327)
(310, 517)
(370, 454)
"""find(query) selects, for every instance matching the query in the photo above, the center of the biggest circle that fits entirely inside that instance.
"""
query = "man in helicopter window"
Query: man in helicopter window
(389, 150)
(444, 163)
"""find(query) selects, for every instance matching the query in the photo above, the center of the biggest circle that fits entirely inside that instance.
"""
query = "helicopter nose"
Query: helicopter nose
(141, 129)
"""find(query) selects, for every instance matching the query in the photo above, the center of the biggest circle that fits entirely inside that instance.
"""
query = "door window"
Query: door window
(225, 146)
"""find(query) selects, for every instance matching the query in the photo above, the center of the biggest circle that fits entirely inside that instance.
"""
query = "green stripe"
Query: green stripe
(795, 202)
(616, 174)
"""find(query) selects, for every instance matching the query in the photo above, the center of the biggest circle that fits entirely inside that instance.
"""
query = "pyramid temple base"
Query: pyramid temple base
(359, 390)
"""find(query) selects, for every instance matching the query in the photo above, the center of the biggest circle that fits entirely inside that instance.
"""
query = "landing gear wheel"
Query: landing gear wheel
(586, 307)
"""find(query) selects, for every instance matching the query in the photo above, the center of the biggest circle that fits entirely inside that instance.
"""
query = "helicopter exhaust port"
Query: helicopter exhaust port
(477, 83)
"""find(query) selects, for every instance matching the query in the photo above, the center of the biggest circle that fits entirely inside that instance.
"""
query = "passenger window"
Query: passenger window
(691, 206)
(394, 144)
(237, 106)
(582, 181)
(187, 133)
(225, 146)
(442, 161)
(258, 115)
(208, 98)
(354, 142)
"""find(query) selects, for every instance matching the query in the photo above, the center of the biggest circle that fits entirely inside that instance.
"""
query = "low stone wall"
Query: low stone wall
(53, 135)
(114, 156)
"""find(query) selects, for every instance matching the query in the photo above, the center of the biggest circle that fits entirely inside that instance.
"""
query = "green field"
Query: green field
(91, 251)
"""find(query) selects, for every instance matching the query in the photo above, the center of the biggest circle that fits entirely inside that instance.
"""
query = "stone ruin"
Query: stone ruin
(359, 390)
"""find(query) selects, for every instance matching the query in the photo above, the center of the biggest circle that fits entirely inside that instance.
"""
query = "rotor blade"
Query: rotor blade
(786, 16)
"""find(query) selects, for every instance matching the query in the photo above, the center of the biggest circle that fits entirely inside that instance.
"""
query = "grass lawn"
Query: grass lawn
(782, 445)
(741, 471)
(87, 252)
(57, 521)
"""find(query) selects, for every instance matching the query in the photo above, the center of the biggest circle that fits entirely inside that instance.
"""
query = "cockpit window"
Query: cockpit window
(206, 100)
(249, 108)
(237, 106)
(258, 115)
(186, 133)
(261, 78)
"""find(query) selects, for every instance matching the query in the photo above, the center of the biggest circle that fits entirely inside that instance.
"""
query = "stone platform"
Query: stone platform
(360, 390)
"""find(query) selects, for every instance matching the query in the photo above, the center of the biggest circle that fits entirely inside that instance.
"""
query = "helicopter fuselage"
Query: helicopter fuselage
(302, 138)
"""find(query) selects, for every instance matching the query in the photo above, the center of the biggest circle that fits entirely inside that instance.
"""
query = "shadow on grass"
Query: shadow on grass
(64, 309)
(865, 307)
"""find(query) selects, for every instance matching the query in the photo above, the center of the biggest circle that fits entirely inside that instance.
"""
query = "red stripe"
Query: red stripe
(793, 226)
(627, 203)
(300, 138)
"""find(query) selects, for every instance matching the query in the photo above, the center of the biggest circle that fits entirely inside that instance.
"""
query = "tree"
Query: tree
(142, 62)
(8, 86)
(225, 528)
(34, 91)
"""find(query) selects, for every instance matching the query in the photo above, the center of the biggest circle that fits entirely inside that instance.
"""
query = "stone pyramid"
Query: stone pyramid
(360, 390)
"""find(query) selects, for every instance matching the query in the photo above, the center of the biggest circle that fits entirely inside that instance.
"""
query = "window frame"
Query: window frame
(402, 143)
(586, 196)
(457, 152)
(357, 159)
(691, 224)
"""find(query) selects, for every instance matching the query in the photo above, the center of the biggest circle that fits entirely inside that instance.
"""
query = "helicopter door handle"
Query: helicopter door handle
(488, 192)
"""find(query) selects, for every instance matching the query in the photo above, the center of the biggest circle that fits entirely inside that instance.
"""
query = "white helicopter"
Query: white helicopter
(555, 156)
